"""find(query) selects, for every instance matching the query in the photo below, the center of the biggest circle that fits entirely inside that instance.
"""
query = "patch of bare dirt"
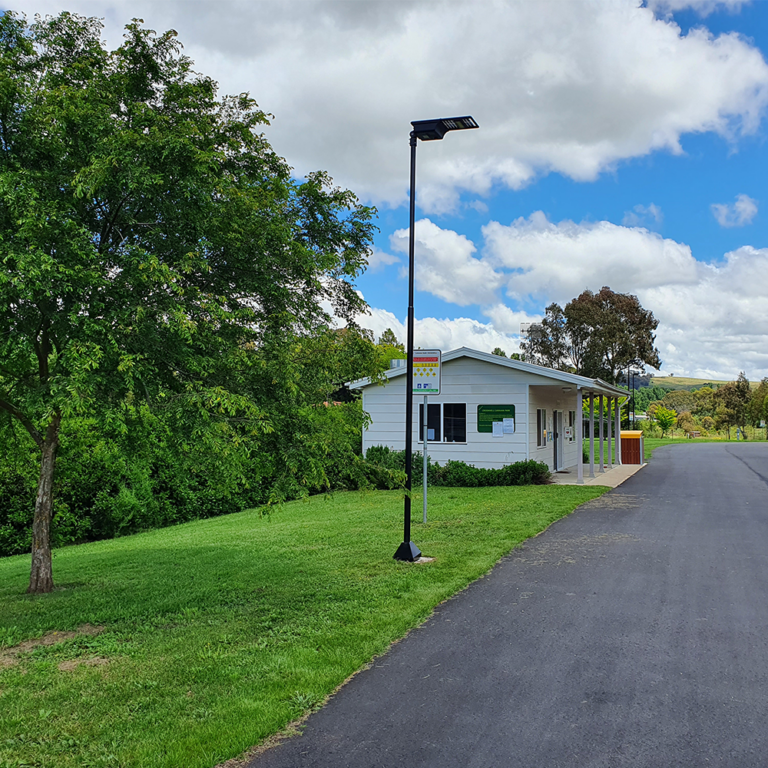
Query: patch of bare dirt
(10, 656)
(72, 664)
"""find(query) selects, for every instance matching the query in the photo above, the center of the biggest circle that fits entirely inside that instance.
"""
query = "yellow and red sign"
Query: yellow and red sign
(426, 372)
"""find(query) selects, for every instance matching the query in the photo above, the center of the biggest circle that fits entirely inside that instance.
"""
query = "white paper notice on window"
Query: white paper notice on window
(498, 429)
(509, 426)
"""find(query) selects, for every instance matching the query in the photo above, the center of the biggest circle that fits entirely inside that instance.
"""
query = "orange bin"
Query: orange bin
(632, 446)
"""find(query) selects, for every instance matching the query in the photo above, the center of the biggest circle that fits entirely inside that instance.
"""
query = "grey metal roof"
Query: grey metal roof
(598, 386)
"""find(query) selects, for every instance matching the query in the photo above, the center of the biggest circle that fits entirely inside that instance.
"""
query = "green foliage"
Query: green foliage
(458, 474)
(686, 422)
(596, 334)
(499, 351)
(388, 339)
(109, 487)
(646, 395)
(679, 401)
(731, 404)
(757, 407)
(154, 249)
(389, 348)
(665, 418)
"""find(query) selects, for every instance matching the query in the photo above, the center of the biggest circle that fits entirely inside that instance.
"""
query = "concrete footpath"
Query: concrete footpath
(632, 633)
(610, 477)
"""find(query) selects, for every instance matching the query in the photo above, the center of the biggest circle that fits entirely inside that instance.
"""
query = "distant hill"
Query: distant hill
(685, 382)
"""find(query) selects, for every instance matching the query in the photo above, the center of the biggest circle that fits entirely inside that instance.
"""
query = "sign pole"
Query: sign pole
(426, 435)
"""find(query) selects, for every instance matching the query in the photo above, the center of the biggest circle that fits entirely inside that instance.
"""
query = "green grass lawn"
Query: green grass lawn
(652, 443)
(220, 632)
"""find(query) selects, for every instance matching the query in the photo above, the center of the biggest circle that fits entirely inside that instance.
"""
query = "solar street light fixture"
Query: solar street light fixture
(426, 130)
(433, 130)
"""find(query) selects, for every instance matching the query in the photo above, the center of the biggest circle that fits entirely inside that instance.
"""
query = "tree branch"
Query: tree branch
(28, 425)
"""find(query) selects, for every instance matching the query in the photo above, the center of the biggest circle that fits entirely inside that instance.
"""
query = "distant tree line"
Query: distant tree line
(709, 407)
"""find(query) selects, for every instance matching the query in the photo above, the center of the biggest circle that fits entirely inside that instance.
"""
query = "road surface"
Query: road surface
(631, 633)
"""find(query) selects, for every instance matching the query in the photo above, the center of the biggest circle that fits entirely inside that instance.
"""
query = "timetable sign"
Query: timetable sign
(426, 372)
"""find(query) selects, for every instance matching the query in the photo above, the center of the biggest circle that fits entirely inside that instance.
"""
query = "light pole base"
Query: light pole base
(407, 552)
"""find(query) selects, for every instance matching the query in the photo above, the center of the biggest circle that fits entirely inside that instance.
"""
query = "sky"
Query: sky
(621, 143)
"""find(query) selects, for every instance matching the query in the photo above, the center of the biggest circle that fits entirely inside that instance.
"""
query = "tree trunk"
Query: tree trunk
(41, 577)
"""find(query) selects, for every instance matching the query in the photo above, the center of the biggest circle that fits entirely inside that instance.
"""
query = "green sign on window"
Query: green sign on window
(487, 414)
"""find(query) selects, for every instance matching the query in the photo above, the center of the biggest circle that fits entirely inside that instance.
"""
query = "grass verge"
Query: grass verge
(204, 639)
(652, 443)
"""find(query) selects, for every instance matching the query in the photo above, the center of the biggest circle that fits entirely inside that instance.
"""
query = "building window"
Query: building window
(541, 427)
(433, 423)
(446, 422)
(572, 425)
(455, 422)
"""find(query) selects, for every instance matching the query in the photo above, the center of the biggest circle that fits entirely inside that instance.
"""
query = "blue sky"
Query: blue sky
(621, 143)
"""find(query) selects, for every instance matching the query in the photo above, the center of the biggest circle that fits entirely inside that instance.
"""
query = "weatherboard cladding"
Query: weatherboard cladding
(476, 378)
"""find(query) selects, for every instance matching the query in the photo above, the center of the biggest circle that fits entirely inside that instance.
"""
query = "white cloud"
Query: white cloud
(543, 261)
(643, 216)
(379, 259)
(445, 266)
(568, 86)
(713, 318)
(445, 334)
(718, 325)
(736, 214)
(508, 321)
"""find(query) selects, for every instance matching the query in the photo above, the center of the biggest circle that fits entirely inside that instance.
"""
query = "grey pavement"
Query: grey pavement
(631, 633)
(610, 477)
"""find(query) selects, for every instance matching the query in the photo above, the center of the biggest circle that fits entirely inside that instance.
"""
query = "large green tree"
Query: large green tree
(757, 407)
(152, 244)
(596, 334)
(731, 402)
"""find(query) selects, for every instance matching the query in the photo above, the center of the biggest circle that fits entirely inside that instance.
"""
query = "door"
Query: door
(555, 444)
(559, 441)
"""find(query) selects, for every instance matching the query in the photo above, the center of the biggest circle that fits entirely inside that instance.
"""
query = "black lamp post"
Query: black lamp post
(426, 130)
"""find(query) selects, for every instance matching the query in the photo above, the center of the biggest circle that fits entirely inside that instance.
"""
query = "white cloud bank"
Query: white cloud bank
(713, 318)
(568, 86)
(736, 214)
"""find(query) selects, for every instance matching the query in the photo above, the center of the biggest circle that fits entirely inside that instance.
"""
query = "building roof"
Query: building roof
(597, 386)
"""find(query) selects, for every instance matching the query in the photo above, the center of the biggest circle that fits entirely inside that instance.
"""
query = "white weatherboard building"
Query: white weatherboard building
(491, 411)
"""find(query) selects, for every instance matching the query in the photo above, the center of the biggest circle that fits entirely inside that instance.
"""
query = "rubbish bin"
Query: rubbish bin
(632, 447)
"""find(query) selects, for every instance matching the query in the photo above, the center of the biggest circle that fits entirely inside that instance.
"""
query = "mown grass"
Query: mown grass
(220, 632)
(652, 443)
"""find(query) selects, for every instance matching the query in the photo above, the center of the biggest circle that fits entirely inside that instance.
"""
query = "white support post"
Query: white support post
(579, 438)
(618, 432)
(591, 434)
(602, 436)
(528, 421)
(610, 430)
(426, 435)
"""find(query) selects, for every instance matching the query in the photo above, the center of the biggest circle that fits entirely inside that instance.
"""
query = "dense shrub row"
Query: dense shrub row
(457, 474)
(105, 488)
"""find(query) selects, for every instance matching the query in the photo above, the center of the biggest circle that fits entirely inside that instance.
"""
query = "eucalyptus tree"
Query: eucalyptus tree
(149, 238)
(595, 334)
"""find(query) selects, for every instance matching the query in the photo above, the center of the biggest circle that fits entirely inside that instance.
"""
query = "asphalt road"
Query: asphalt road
(632, 633)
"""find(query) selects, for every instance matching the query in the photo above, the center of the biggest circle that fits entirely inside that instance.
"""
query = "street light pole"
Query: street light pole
(426, 130)
(408, 551)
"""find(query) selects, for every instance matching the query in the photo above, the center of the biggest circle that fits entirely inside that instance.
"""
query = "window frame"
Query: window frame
(441, 440)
